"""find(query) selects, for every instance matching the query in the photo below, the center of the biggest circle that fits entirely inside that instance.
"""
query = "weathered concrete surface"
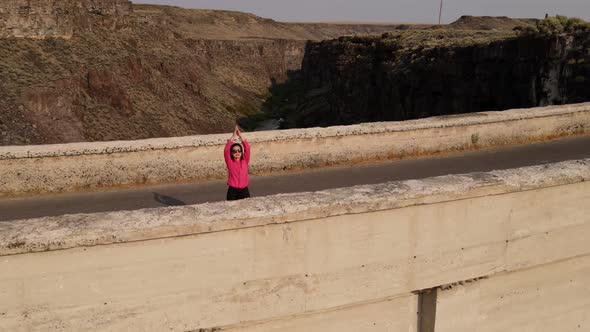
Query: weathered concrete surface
(270, 259)
(394, 314)
(62, 232)
(553, 297)
(84, 166)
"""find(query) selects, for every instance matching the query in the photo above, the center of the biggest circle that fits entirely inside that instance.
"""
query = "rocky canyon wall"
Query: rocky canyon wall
(399, 76)
(102, 70)
(53, 18)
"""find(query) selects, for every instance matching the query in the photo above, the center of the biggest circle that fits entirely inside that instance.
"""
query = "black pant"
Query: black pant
(236, 193)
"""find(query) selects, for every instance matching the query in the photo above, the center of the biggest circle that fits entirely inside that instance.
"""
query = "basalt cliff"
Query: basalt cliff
(415, 74)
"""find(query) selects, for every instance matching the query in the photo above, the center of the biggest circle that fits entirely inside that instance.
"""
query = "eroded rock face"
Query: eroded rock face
(83, 70)
(53, 18)
(390, 77)
(107, 7)
(52, 111)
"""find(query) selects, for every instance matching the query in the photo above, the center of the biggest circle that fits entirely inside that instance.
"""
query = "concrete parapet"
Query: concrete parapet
(85, 166)
(306, 261)
(78, 230)
(552, 297)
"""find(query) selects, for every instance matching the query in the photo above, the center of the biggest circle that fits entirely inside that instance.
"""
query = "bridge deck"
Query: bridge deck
(169, 195)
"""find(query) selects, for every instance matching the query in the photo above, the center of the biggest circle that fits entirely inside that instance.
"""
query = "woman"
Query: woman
(237, 159)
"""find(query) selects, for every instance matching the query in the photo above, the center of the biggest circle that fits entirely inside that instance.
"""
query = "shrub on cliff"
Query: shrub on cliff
(556, 25)
(550, 26)
(575, 24)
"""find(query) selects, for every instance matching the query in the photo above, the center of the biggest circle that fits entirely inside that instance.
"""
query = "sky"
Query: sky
(395, 11)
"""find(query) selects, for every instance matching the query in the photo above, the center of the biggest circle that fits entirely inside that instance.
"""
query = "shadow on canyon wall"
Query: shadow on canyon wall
(409, 75)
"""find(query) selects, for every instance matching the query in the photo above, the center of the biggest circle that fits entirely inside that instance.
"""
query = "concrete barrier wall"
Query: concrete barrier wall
(552, 297)
(341, 259)
(85, 166)
(394, 314)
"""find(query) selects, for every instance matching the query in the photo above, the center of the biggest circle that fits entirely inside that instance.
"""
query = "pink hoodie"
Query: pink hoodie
(237, 170)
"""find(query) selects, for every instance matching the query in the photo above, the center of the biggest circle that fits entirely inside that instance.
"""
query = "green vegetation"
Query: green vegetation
(422, 46)
(425, 40)
(556, 25)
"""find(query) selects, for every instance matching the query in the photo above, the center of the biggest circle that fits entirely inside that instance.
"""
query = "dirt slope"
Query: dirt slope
(155, 71)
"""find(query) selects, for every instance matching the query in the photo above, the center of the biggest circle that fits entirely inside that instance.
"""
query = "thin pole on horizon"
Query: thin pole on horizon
(440, 11)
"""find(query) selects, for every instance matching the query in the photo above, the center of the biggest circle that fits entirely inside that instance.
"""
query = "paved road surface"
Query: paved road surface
(169, 195)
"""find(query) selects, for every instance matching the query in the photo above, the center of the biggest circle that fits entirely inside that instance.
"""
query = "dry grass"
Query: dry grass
(164, 71)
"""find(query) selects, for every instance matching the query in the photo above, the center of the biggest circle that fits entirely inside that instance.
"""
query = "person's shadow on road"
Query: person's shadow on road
(167, 200)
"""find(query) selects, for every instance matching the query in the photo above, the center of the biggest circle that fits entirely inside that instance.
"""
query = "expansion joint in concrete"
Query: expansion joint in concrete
(427, 309)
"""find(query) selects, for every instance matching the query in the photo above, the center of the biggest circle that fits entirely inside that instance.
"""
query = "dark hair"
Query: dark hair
(232, 147)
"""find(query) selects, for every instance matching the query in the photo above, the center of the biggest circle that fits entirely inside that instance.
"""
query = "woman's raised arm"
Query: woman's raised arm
(245, 144)
(226, 152)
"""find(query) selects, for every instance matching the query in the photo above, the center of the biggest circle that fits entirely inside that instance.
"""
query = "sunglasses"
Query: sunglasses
(236, 151)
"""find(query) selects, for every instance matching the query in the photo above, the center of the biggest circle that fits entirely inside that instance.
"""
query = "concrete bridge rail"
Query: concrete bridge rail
(29, 170)
(504, 250)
